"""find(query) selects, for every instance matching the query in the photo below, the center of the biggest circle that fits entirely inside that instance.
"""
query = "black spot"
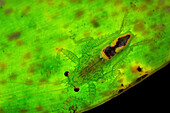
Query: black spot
(109, 51)
(66, 73)
(122, 41)
(76, 89)
(139, 69)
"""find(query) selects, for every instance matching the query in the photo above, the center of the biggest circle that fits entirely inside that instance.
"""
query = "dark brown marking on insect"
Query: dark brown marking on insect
(109, 51)
(29, 82)
(122, 41)
(39, 108)
(2, 3)
(23, 110)
(141, 78)
(14, 35)
(79, 14)
(94, 22)
(3, 82)
(13, 76)
(8, 11)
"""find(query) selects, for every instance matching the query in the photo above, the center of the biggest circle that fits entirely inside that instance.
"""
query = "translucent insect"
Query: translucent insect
(96, 61)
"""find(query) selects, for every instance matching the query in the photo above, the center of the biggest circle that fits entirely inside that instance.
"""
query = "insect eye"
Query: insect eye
(76, 89)
(66, 73)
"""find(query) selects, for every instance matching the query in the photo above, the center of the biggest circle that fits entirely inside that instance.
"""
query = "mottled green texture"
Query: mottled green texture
(41, 39)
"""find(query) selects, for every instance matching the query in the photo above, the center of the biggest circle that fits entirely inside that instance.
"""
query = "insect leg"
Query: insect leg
(70, 55)
(123, 22)
(92, 92)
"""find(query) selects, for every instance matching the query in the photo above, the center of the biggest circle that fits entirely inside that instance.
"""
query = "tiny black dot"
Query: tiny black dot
(66, 73)
(76, 89)
(139, 69)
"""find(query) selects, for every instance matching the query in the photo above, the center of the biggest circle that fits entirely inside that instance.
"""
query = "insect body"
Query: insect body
(93, 71)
